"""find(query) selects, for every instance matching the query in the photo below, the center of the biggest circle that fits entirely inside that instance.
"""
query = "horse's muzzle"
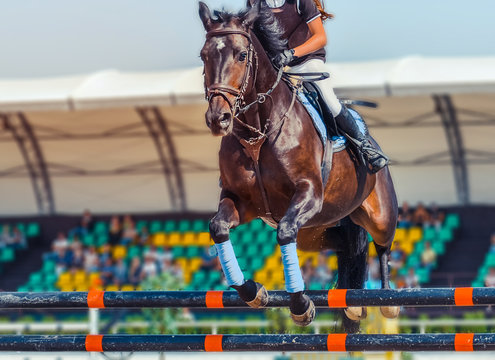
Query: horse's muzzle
(220, 124)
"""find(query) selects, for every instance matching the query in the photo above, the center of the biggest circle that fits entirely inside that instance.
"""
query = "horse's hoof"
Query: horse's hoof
(261, 298)
(356, 313)
(306, 318)
(390, 312)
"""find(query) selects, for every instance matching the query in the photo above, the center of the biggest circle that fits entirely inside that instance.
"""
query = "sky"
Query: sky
(45, 38)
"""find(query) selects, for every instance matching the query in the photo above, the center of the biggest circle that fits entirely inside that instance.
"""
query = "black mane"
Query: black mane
(265, 27)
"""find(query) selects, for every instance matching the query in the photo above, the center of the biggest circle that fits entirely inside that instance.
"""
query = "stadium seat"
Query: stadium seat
(452, 221)
(415, 234)
(100, 227)
(400, 234)
(33, 230)
(189, 239)
(204, 239)
(127, 288)
(170, 226)
(155, 226)
(140, 225)
(159, 239)
(119, 252)
(7, 255)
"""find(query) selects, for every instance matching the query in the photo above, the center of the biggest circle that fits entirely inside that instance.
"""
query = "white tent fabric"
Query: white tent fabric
(96, 103)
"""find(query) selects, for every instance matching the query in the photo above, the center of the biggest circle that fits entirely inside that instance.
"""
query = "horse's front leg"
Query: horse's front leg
(227, 217)
(306, 203)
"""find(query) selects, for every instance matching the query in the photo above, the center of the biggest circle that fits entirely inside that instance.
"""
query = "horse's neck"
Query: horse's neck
(265, 78)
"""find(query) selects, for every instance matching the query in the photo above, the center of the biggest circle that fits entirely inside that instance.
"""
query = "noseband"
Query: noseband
(222, 90)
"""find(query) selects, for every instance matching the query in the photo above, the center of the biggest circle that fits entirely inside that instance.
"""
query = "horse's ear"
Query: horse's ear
(205, 15)
(253, 13)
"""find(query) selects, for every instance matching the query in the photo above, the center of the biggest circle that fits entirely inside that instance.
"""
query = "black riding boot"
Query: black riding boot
(375, 157)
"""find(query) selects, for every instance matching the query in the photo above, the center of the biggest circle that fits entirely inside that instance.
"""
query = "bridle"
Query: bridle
(239, 106)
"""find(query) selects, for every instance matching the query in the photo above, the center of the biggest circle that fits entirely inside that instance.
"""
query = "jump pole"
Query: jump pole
(246, 343)
(230, 299)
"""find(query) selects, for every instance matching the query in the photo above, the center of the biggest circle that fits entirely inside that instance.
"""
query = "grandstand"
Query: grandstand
(133, 148)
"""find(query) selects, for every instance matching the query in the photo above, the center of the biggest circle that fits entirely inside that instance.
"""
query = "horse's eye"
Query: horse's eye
(243, 56)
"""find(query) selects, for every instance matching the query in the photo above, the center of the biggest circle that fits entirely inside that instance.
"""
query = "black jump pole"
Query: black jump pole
(230, 299)
(247, 343)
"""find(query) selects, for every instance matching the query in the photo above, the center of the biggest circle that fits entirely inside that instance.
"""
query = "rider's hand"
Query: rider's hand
(284, 58)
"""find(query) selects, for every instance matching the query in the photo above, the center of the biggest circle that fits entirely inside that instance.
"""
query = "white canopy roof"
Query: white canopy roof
(74, 117)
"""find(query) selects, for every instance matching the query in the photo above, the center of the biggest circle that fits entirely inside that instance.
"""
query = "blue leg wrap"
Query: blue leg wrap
(230, 266)
(293, 278)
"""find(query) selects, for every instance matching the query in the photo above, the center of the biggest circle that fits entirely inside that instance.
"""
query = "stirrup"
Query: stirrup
(375, 157)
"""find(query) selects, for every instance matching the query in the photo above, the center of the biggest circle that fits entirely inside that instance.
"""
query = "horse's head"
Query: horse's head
(228, 64)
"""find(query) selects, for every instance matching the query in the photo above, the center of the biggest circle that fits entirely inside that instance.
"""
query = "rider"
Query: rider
(302, 24)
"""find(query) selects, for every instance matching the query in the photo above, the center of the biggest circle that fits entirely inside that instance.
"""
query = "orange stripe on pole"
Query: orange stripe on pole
(95, 299)
(213, 343)
(214, 299)
(337, 298)
(463, 296)
(94, 343)
(336, 342)
(464, 342)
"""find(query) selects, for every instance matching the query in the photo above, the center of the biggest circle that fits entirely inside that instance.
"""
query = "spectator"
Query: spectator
(6, 238)
(153, 253)
(115, 230)
(209, 259)
(421, 216)
(120, 272)
(307, 272)
(149, 268)
(492, 244)
(405, 216)
(429, 256)
(373, 267)
(490, 278)
(107, 271)
(129, 232)
(91, 260)
(78, 258)
(177, 270)
(87, 221)
(322, 275)
(436, 216)
(105, 253)
(62, 261)
(19, 239)
(411, 279)
(373, 281)
(144, 238)
(135, 271)
(60, 243)
(397, 257)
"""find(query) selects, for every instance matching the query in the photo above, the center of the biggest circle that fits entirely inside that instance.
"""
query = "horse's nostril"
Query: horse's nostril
(225, 118)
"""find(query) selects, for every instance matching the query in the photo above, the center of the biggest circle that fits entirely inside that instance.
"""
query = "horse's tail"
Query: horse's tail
(352, 262)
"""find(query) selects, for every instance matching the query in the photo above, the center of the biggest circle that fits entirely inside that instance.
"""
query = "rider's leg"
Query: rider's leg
(343, 117)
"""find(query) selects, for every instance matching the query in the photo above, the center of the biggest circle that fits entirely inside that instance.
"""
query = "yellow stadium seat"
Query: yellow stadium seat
(400, 234)
(82, 287)
(278, 276)
(159, 240)
(189, 239)
(333, 263)
(372, 250)
(195, 263)
(119, 252)
(112, 288)
(67, 288)
(64, 279)
(127, 288)
(204, 239)
(80, 277)
(273, 263)
(415, 234)
(174, 239)
(407, 247)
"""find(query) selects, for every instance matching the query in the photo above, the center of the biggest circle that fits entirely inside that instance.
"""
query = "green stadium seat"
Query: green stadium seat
(88, 240)
(490, 260)
(102, 240)
(178, 252)
(439, 247)
(50, 279)
(35, 278)
(200, 225)
(140, 225)
(183, 226)
(21, 227)
(423, 275)
(446, 234)
(430, 234)
(413, 261)
(133, 252)
(256, 263)
(257, 225)
(243, 263)
(478, 283)
(23, 288)
(48, 267)
(170, 226)
(193, 251)
(7, 255)
(452, 221)
(100, 227)
(156, 226)
(33, 230)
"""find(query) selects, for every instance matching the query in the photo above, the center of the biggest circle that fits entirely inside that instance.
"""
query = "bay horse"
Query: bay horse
(271, 168)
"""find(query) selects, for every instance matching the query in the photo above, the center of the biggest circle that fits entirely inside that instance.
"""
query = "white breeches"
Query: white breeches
(325, 86)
